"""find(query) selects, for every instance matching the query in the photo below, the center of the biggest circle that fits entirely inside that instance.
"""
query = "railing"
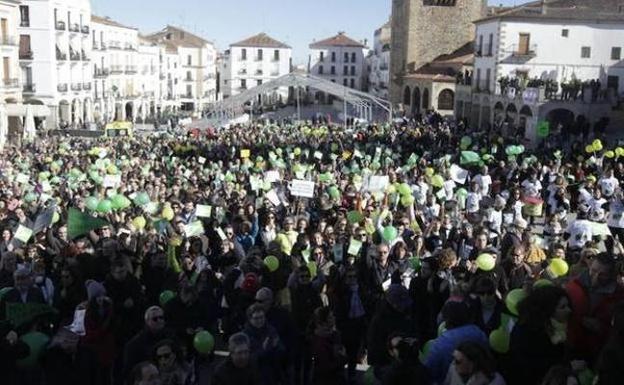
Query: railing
(129, 47)
(102, 46)
(61, 55)
(86, 86)
(114, 45)
(60, 26)
(259, 58)
(186, 96)
(25, 23)
(483, 51)
(62, 87)
(76, 86)
(131, 69)
(85, 29)
(116, 69)
(242, 72)
(101, 73)
(10, 83)
(516, 51)
(26, 55)
(74, 27)
(189, 79)
(274, 73)
(259, 72)
(162, 77)
(29, 88)
(8, 40)
(83, 56)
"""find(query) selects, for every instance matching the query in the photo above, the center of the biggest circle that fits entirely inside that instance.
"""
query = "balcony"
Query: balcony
(62, 87)
(86, 86)
(29, 88)
(83, 56)
(525, 52)
(8, 41)
(60, 26)
(162, 77)
(102, 46)
(26, 55)
(186, 96)
(74, 27)
(114, 45)
(116, 69)
(259, 72)
(189, 79)
(25, 23)
(61, 55)
(101, 73)
(242, 72)
(258, 58)
(85, 29)
(131, 69)
(129, 47)
(10, 83)
(76, 86)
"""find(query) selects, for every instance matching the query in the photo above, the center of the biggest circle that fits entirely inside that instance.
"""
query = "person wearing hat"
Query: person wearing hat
(513, 237)
(66, 362)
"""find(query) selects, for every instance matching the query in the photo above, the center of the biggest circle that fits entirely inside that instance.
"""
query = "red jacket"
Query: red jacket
(582, 340)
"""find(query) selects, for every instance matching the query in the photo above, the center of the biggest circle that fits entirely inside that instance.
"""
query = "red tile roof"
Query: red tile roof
(260, 40)
(340, 40)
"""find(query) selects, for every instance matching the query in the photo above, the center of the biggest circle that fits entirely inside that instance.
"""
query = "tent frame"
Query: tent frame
(363, 102)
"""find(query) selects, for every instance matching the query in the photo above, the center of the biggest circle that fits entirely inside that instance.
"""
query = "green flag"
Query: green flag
(79, 223)
(469, 157)
(20, 313)
(543, 129)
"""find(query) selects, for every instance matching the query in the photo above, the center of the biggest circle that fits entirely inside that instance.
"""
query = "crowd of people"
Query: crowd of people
(417, 252)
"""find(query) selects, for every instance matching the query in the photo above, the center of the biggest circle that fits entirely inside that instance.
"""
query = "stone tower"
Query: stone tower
(425, 29)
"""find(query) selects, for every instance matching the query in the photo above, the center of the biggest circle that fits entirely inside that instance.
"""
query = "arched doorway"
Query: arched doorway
(511, 113)
(425, 99)
(407, 97)
(416, 102)
(446, 99)
(499, 113)
(561, 116)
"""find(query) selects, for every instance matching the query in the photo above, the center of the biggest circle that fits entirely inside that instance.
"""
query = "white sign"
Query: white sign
(273, 198)
(272, 176)
(458, 174)
(112, 181)
(378, 183)
(302, 188)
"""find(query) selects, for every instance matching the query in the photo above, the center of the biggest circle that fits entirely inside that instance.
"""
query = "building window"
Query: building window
(243, 54)
(260, 55)
(189, 90)
(352, 70)
(446, 100)
(345, 70)
(24, 16)
(333, 57)
(345, 82)
(320, 70)
(616, 53)
(188, 75)
(478, 82)
(333, 70)
(353, 57)
(488, 75)
(352, 83)
(322, 56)
(565, 32)
(243, 83)
(276, 55)
(490, 46)
(480, 46)
(346, 57)
(189, 60)
(333, 80)
(585, 52)
(259, 82)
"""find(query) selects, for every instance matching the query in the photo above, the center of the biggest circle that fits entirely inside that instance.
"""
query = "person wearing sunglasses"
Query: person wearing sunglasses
(173, 370)
(473, 364)
(141, 346)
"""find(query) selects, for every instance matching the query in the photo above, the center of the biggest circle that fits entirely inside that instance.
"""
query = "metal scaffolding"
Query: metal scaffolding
(363, 103)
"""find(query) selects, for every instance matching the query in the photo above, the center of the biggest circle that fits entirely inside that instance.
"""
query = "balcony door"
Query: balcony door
(524, 43)
(6, 67)
(4, 29)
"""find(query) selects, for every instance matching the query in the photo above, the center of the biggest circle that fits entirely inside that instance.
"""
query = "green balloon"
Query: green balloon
(37, 342)
(272, 263)
(30, 197)
(404, 189)
(354, 216)
(120, 202)
(513, 299)
(141, 199)
(165, 297)
(390, 233)
(203, 342)
(499, 341)
(333, 192)
(407, 200)
(105, 206)
(92, 203)
(415, 263)
(542, 283)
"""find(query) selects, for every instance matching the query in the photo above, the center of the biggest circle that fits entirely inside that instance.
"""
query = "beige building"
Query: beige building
(421, 33)
(11, 86)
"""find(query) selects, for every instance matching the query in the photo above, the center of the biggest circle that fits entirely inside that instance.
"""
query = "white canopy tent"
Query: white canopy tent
(363, 102)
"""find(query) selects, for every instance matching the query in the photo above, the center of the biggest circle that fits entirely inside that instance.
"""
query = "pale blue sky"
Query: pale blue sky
(296, 22)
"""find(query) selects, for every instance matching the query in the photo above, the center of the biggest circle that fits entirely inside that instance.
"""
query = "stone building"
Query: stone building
(421, 33)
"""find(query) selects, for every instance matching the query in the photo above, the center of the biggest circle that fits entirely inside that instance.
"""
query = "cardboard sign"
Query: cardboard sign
(45, 186)
(273, 198)
(255, 183)
(458, 174)
(378, 183)
(221, 234)
(203, 211)
(23, 234)
(201, 160)
(318, 155)
(246, 153)
(302, 188)
(111, 181)
(272, 176)
(194, 229)
(354, 247)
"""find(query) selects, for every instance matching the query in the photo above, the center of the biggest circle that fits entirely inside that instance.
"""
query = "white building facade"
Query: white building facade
(252, 62)
(546, 62)
(55, 56)
(341, 60)
(378, 61)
